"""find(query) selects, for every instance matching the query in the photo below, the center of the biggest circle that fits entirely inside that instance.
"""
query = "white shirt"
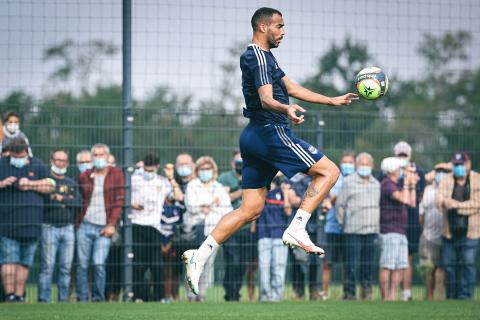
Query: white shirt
(433, 217)
(151, 194)
(213, 195)
(96, 212)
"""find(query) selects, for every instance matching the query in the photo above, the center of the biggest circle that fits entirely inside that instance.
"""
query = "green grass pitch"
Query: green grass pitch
(285, 310)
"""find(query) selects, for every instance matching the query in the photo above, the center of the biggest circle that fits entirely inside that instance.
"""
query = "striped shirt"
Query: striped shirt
(259, 68)
(358, 205)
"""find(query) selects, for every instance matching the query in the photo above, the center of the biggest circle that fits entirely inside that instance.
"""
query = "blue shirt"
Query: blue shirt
(272, 222)
(259, 67)
(331, 224)
(21, 212)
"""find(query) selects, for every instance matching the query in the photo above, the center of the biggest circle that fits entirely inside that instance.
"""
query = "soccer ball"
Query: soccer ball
(371, 83)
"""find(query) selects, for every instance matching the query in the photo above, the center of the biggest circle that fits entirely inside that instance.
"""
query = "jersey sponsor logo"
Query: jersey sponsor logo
(312, 150)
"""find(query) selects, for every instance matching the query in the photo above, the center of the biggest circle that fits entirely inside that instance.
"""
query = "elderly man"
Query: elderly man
(459, 198)
(358, 212)
(393, 224)
(403, 151)
(84, 161)
(103, 198)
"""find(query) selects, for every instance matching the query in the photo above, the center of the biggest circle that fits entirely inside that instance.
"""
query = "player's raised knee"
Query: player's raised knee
(325, 167)
(252, 211)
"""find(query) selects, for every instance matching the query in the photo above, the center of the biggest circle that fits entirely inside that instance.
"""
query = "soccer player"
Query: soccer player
(267, 144)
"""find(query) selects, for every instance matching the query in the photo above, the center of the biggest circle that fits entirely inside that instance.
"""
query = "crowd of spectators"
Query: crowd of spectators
(367, 222)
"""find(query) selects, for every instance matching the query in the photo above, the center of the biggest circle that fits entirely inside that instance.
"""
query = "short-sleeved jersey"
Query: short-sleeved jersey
(259, 67)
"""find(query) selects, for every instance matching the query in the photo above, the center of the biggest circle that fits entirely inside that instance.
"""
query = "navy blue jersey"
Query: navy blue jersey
(259, 67)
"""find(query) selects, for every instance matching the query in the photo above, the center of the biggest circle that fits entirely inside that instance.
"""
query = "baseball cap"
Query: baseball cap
(402, 147)
(460, 158)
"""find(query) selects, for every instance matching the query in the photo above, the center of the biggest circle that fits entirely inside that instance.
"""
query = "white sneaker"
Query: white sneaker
(193, 269)
(302, 240)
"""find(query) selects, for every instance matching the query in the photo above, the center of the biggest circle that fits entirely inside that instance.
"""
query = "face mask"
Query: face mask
(82, 167)
(403, 162)
(12, 127)
(347, 168)
(149, 175)
(459, 171)
(238, 167)
(184, 171)
(364, 171)
(100, 163)
(439, 177)
(58, 171)
(18, 162)
(205, 175)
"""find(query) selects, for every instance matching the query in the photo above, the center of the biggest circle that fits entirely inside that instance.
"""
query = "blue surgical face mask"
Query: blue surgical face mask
(82, 167)
(364, 171)
(459, 171)
(403, 162)
(205, 175)
(100, 163)
(347, 168)
(439, 176)
(18, 162)
(184, 171)
(149, 175)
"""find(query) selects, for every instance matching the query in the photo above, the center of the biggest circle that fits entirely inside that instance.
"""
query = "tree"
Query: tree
(78, 62)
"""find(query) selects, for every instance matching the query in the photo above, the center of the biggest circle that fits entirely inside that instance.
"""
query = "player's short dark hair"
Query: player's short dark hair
(151, 159)
(17, 145)
(10, 114)
(262, 15)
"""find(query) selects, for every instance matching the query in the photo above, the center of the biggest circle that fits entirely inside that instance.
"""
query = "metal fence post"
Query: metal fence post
(127, 146)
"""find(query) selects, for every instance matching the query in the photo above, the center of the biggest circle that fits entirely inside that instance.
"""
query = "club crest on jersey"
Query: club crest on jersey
(312, 150)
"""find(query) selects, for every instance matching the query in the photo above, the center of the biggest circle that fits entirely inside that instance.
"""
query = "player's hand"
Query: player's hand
(292, 114)
(344, 100)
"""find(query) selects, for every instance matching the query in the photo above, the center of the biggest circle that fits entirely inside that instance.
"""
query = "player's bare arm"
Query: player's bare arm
(268, 102)
(297, 91)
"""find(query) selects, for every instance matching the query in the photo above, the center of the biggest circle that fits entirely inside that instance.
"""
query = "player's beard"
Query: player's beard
(274, 43)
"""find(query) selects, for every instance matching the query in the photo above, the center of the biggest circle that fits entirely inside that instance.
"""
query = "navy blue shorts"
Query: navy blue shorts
(267, 149)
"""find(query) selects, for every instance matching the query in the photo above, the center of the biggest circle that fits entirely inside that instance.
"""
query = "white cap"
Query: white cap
(391, 164)
(402, 147)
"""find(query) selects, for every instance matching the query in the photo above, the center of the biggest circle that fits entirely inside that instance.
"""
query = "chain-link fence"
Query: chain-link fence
(62, 73)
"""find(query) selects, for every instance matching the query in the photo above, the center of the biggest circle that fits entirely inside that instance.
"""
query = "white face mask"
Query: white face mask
(58, 171)
(12, 127)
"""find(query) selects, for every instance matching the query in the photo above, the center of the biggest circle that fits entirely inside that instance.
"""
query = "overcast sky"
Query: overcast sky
(182, 43)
